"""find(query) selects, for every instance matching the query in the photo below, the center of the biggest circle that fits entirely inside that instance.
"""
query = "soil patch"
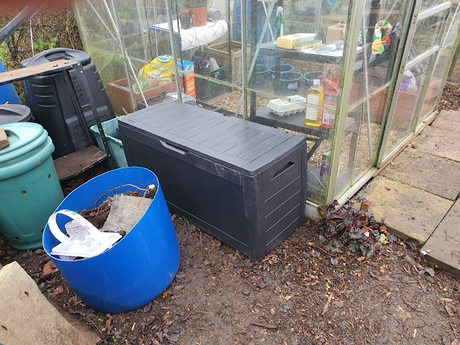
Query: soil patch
(299, 294)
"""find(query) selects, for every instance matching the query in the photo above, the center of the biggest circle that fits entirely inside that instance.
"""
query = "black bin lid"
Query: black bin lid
(14, 113)
(56, 54)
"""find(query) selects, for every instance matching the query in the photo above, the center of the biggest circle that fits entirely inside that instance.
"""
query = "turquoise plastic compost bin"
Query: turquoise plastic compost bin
(29, 186)
(140, 266)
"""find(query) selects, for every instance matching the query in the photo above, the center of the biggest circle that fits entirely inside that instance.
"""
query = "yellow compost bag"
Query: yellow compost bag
(157, 72)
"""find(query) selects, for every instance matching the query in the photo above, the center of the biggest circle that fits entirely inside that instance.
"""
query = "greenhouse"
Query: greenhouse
(381, 66)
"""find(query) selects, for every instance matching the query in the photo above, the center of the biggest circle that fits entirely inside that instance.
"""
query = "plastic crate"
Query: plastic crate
(115, 144)
(205, 88)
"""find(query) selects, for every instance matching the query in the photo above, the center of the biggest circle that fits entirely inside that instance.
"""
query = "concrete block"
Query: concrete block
(443, 247)
(440, 142)
(428, 172)
(409, 212)
(3, 139)
(28, 318)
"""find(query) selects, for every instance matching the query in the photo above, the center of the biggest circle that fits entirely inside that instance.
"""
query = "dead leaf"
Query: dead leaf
(361, 258)
(450, 311)
(58, 290)
(109, 321)
(328, 302)
(430, 271)
(413, 263)
(173, 337)
(73, 300)
(455, 342)
(165, 294)
(160, 336)
(49, 268)
(165, 316)
(365, 229)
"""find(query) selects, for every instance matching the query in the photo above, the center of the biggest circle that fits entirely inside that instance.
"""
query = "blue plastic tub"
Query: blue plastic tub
(310, 76)
(139, 267)
(284, 67)
(7, 92)
(259, 77)
(289, 83)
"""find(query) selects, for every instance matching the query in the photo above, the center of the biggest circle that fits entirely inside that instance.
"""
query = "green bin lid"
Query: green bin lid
(24, 137)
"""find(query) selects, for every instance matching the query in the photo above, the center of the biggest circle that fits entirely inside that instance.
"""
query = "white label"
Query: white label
(312, 113)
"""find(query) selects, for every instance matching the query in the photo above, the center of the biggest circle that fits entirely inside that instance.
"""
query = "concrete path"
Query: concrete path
(417, 193)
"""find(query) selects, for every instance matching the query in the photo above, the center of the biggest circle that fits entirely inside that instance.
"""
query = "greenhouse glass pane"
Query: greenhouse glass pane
(407, 100)
(427, 32)
(382, 20)
(281, 68)
(452, 25)
(439, 72)
(362, 142)
(427, 4)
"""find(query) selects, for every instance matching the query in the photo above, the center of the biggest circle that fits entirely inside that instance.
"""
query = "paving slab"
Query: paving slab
(448, 119)
(434, 174)
(440, 142)
(408, 211)
(28, 318)
(443, 247)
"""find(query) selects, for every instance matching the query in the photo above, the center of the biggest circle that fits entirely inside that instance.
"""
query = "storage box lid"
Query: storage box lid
(243, 145)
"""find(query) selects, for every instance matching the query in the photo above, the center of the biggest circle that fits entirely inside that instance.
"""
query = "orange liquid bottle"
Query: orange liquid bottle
(315, 96)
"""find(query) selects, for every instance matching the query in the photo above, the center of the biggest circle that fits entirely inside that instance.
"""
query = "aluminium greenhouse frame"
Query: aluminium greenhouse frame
(358, 10)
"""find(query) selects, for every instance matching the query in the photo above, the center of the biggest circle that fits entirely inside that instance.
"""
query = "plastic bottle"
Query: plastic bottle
(330, 101)
(279, 22)
(315, 96)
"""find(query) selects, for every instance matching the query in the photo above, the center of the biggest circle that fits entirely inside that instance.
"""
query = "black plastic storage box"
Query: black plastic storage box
(50, 100)
(243, 182)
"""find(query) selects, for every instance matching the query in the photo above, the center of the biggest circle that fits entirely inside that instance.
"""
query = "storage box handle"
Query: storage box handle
(282, 170)
(173, 148)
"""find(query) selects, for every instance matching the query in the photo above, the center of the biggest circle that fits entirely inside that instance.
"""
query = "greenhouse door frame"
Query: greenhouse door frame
(380, 159)
(417, 16)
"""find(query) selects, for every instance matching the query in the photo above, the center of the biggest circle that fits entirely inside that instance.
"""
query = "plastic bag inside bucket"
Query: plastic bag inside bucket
(84, 241)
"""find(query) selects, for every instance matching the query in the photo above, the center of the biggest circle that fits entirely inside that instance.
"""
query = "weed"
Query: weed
(354, 228)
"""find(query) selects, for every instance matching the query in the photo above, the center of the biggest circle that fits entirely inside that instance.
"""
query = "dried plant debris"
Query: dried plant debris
(353, 226)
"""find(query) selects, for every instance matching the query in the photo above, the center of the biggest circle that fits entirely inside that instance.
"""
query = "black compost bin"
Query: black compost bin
(49, 98)
(243, 182)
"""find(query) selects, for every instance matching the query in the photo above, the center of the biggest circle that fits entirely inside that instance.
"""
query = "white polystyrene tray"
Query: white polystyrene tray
(282, 107)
